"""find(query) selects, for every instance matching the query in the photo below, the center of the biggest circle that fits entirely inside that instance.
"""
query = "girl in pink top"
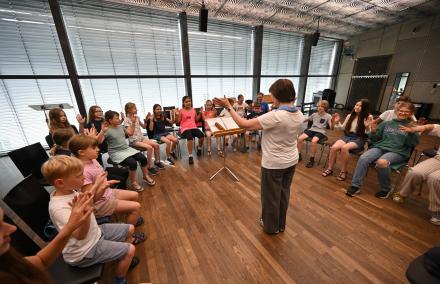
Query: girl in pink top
(210, 112)
(187, 118)
(109, 200)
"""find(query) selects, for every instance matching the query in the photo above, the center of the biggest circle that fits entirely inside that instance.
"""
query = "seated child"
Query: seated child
(89, 244)
(187, 118)
(137, 139)
(321, 120)
(157, 124)
(109, 200)
(390, 145)
(121, 153)
(210, 112)
(61, 138)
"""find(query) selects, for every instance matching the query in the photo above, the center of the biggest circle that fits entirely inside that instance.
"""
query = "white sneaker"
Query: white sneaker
(435, 219)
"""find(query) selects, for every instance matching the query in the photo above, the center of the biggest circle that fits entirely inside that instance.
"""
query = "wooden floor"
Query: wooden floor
(208, 232)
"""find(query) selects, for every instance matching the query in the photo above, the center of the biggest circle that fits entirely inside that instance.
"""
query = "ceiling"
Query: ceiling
(337, 18)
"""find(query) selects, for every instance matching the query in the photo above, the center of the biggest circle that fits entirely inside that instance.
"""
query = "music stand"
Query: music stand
(223, 134)
(45, 107)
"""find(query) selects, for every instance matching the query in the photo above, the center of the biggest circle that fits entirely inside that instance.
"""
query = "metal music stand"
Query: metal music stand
(223, 134)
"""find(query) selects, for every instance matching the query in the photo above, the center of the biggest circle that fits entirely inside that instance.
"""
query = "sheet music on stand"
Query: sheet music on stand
(221, 127)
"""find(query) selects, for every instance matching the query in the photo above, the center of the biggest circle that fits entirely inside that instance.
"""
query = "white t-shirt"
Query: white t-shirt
(225, 113)
(391, 114)
(280, 134)
(240, 109)
(59, 211)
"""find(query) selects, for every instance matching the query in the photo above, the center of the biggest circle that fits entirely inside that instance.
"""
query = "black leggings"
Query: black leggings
(131, 162)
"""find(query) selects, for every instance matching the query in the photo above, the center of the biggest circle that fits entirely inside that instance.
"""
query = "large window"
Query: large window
(322, 60)
(281, 53)
(225, 49)
(118, 39)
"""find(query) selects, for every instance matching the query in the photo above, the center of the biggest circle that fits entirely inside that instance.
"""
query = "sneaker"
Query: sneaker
(139, 221)
(191, 160)
(282, 230)
(435, 219)
(153, 171)
(173, 154)
(159, 165)
(382, 194)
(310, 164)
(171, 161)
(398, 198)
(352, 191)
(199, 151)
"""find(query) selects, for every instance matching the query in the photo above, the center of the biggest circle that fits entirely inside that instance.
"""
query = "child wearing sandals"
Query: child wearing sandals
(321, 120)
(210, 112)
(187, 118)
(390, 145)
(121, 153)
(355, 125)
(427, 171)
(137, 139)
(109, 200)
(157, 124)
(89, 244)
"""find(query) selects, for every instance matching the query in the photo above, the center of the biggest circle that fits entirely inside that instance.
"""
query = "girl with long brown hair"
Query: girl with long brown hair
(355, 125)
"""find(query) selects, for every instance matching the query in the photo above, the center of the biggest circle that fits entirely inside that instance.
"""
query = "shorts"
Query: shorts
(312, 134)
(111, 246)
(106, 207)
(159, 136)
(189, 134)
(354, 139)
(133, 140)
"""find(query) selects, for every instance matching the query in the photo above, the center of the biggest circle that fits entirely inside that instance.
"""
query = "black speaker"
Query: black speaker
(203, 19)
(315, 38)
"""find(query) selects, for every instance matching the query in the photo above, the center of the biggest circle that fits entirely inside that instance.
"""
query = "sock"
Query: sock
(118, 280)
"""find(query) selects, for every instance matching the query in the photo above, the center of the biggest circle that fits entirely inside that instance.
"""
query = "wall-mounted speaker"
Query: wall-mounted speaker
(203, 19)
(315, 38)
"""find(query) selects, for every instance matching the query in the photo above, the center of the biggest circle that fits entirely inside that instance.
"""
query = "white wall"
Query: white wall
(415, 52)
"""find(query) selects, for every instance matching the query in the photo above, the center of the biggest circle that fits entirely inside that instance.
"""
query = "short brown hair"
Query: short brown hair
(81, 142)
(60, 167)
(110, 114)
(324, 104)
(283, 90)
(403, 99)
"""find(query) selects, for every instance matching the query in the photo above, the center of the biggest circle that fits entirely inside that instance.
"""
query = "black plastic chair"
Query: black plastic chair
(417, 274)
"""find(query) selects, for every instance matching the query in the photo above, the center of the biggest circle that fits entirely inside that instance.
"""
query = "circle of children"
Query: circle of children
(78, 177)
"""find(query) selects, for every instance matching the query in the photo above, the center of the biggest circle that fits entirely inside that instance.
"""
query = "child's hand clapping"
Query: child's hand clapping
(80, 119)
(82, 207)
(336, 118)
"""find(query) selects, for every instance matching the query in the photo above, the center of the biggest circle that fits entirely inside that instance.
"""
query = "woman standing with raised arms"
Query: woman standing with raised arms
(279, 152)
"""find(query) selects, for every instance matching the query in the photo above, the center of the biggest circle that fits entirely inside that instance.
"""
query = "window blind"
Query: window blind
(281, 53)
(226, 49)
(208, 88)
(118, 39)
(28, 39)
(266, 82)
(113, 94)
(322, 58)
(30, 124)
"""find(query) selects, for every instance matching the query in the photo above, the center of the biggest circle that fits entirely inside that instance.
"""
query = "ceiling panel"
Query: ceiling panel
(337, 18)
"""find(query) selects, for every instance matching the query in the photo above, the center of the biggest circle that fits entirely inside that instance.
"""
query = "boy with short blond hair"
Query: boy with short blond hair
(89, 244)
